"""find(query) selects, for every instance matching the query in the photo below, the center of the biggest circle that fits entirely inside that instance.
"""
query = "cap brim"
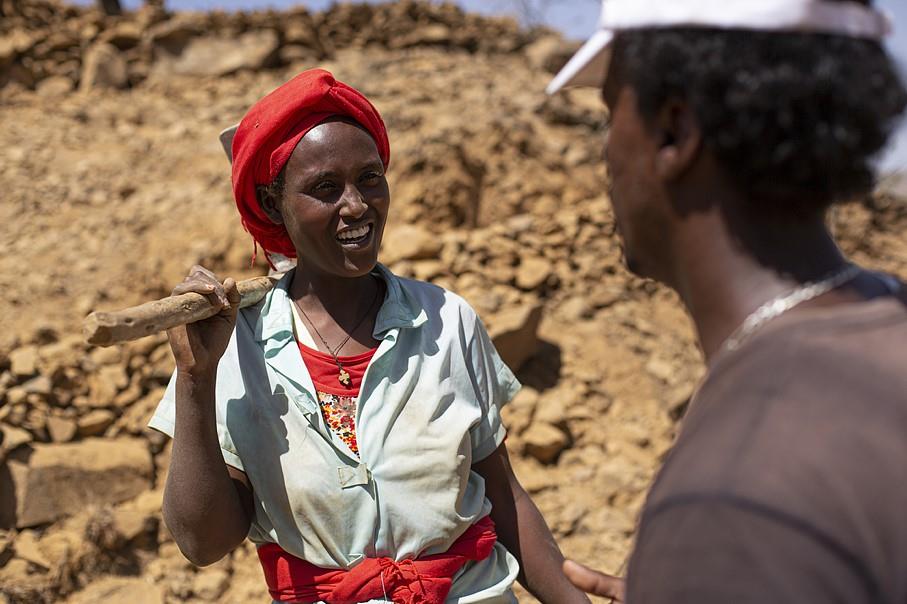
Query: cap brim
(588, 66)
(226, 140)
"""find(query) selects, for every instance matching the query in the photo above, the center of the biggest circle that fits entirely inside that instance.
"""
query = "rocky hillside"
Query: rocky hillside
(50, 47)
(114, 184)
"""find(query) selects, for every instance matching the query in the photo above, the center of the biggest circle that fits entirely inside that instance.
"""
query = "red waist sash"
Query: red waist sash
(425, 580)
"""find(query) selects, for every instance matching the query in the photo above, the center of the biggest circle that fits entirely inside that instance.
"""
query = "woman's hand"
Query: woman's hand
(198, 347)
(594, 582)
(522, 530)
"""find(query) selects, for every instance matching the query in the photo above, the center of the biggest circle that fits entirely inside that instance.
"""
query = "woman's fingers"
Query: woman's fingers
(231, 291)
(193, 286)
(203, 275)
(202, 281)
(594, 582)
(199, 346)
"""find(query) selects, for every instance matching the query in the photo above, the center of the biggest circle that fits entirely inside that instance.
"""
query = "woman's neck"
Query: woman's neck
(344, 299)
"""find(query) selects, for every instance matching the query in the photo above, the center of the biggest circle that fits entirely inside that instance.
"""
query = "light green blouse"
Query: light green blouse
(429, 408)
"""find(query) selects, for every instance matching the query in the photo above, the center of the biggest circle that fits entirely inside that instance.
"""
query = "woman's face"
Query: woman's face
(335, 200)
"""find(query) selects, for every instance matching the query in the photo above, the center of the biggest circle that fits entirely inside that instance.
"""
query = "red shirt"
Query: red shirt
(337, 401)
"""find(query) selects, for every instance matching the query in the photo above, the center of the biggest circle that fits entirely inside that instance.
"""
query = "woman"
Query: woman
(349, 424)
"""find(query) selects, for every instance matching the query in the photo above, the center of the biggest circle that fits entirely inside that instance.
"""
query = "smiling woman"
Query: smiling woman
(349, 424)
(337, 165)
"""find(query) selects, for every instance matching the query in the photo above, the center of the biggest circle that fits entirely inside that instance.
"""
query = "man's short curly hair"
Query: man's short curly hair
(796, 120)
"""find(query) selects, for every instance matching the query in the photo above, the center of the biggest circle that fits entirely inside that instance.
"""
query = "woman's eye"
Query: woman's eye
(371, 176)
(323, 187)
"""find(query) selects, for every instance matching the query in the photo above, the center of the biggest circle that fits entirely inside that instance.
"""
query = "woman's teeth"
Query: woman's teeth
(354, 234)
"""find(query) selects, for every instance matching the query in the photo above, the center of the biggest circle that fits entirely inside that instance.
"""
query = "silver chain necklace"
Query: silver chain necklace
(785, 302)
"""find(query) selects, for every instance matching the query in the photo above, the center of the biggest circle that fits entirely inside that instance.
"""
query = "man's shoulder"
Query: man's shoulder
(822, 372)
(795, 401)
(797, 425)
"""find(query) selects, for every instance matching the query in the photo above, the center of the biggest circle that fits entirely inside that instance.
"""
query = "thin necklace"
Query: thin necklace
(343, 375)
(783, 303)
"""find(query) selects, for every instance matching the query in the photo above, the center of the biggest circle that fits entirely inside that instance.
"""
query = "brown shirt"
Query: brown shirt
(788, 482)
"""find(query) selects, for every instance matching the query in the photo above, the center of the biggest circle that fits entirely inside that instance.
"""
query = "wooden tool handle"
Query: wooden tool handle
(107, 328)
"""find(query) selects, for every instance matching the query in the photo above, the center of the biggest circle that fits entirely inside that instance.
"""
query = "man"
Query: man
(734, 127)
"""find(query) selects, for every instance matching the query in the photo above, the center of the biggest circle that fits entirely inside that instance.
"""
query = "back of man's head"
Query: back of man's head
(795, 119)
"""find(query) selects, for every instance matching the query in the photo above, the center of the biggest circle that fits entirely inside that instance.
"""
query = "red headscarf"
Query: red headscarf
(273, 127)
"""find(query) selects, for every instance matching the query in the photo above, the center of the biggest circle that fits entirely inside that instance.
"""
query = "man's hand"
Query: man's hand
(594, 582)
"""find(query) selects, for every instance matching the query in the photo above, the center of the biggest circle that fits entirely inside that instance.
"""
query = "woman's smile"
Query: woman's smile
(357, 237)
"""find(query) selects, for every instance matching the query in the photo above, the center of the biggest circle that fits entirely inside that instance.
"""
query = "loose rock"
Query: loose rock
(514, 333)
(545, 442)
(518, 413)
(26, 548)
(58, 480)
(119, 589)
(104, 67)
(61, 429)
(40, 385)
(55, 86)
(106, 383)
(95, 422)
(532, 273)
(13, 438)
(409, 242)
(24, 361)
(211, 584)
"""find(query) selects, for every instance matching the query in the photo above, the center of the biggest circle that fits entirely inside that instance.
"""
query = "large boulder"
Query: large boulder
(134, 590)
(409, 242)
(216, 56)
(515, 333)
(52, 481)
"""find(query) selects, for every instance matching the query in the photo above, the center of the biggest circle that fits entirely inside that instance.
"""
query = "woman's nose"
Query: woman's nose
(353, 204)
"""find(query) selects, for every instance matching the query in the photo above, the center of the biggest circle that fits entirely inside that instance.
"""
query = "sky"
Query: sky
(576, 19)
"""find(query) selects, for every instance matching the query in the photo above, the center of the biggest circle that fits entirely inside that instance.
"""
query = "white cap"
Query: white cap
(590, 64)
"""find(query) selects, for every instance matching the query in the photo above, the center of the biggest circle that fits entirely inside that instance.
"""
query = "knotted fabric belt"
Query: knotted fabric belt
(425, 580)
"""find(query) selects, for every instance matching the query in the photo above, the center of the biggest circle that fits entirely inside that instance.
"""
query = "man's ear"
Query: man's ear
(267, 199)
(681, 140)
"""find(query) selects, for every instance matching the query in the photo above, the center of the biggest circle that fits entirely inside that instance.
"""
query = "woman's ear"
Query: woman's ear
(681, 140)
(268, 200)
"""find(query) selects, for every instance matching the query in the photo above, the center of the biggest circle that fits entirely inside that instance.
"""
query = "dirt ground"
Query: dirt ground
(114, 184)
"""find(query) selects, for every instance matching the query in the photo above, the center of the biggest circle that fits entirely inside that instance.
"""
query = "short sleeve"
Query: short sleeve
(164, 418)
(495, 385)
(710, 551)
